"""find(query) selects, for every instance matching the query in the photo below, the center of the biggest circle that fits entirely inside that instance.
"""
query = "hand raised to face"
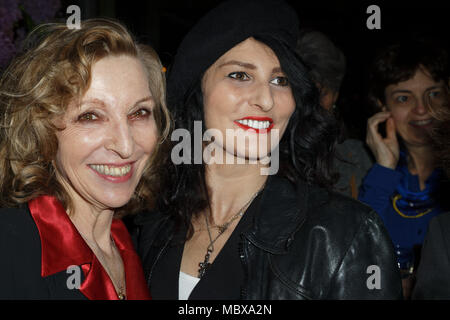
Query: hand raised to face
(385, 149)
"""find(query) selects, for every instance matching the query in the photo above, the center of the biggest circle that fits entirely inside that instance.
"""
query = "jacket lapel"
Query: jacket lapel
(281, 212)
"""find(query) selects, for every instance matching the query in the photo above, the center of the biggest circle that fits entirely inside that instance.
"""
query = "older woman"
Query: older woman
(223, 228)
(403, 186)
(82, 114)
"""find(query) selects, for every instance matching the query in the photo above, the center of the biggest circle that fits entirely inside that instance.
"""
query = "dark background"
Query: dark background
(163, 23)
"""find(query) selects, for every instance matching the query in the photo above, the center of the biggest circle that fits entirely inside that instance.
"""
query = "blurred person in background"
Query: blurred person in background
(405, 184)
(433, 274)
(327, 66)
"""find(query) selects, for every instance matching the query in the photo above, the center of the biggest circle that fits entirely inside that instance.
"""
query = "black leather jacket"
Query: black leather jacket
(304, 244)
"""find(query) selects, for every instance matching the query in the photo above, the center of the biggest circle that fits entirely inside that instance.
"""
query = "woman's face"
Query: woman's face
(246, 91)
(108, 138)
(407, 101)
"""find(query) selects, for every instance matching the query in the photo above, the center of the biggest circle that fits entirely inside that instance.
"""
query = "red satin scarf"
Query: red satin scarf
(62, 246)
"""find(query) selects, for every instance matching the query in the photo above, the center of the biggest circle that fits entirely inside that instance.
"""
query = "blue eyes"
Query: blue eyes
(431, 94)
(402, 98)
(243, 76)
(434, 94)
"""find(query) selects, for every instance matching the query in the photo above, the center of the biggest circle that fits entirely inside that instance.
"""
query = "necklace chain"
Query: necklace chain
(222, 228)
(120, 290)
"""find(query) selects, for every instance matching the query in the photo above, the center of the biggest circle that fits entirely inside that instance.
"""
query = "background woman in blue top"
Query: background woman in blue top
(403, 185)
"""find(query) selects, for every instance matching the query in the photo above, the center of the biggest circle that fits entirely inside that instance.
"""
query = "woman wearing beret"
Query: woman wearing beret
(82, 113)
(230, 224)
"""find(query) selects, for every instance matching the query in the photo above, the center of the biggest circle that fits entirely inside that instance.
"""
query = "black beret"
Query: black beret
(220, 30)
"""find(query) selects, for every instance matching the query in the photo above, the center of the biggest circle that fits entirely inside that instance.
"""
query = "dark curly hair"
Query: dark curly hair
(306, 149)
(399, 62)
(441, 131)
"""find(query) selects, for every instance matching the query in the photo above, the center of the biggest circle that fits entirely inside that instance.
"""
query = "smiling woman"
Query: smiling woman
(83, 116)
(228, 231)
(404, 186)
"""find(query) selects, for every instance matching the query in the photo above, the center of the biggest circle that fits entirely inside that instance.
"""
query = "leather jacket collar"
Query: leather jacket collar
(274, 232)
(270, 232)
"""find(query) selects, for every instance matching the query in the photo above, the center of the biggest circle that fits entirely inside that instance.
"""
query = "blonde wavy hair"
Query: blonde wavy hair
(36, 88)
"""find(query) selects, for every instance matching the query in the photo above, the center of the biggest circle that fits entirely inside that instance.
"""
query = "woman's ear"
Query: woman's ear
(381, 105)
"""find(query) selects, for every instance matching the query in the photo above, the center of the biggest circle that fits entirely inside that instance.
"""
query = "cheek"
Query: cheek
(145, 138)
(286, 106)
(75, 144)
(400, 118)
(220, 101)
(75, 147)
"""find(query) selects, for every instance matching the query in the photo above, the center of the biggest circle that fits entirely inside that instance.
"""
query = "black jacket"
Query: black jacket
(304, 244)
(20, 262)
(433, 279)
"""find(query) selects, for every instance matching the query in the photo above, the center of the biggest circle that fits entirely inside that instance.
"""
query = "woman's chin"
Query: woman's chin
(113, 201)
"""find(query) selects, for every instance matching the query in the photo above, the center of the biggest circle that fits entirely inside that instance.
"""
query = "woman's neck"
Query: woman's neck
(231, 187)
(421, 162)
(93, 224)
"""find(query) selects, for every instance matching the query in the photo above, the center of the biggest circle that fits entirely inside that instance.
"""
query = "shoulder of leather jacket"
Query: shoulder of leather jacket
(285, 209)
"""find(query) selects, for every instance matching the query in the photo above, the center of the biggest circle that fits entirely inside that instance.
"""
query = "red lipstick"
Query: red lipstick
(246, 127)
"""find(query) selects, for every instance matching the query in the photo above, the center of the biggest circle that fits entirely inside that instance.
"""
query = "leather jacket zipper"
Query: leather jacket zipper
(243, 257)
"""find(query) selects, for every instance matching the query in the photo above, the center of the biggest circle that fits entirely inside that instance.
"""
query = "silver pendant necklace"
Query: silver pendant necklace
(222, 228)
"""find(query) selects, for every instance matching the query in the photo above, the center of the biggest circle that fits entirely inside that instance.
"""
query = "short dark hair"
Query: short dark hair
(399, 62)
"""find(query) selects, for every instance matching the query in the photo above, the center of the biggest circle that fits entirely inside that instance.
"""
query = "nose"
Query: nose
(120, 140)
(421, 107)
(263, 97)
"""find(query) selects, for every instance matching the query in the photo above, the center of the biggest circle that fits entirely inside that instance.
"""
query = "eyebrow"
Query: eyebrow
(246, 65)
(102, 103)
(409, 91)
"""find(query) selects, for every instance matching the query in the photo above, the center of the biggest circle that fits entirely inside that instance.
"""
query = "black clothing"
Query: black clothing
(230, 23)
(43, 256)
(223, 279)
(432, 278)
(20, 262)
(302, 244)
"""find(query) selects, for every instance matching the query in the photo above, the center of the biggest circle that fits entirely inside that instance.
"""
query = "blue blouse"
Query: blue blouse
(405, 210)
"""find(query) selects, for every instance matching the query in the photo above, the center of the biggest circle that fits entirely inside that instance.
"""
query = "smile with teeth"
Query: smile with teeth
(113, 171)
(421, 122)
(255, 124)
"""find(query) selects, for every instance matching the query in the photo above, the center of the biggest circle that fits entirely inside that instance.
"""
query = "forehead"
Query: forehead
(118, 69)
(420, 81)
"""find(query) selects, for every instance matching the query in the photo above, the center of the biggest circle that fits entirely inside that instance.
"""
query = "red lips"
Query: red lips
(255, 118)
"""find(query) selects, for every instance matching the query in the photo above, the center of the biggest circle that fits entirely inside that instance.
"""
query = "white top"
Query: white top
(186, 284)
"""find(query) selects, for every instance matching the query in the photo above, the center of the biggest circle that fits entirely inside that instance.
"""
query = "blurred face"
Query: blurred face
(245, 90)
(407, 101)
(328, 97)
(109, 137)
